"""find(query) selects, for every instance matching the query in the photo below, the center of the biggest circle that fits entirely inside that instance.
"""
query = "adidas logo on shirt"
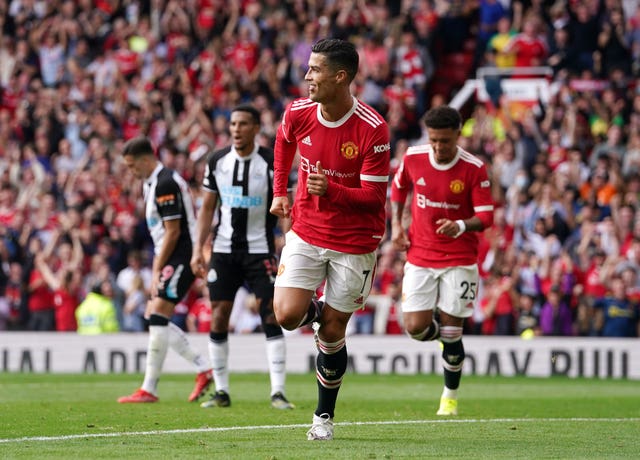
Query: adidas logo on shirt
(307, 140)
(421, 181)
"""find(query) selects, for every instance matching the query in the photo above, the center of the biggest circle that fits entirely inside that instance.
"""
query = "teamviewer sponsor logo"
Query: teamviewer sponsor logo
(310, 168)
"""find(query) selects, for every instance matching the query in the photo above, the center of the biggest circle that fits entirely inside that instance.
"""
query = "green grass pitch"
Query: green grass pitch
(377, 417)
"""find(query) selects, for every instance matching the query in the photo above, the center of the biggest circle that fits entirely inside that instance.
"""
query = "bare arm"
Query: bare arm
(203, 229)
(51, 244)
(399, 237)
(234, 6)
(77, 253)
(47, 274)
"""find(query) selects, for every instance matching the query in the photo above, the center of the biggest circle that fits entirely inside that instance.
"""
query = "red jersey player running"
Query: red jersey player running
(338, 216)
(451, 200)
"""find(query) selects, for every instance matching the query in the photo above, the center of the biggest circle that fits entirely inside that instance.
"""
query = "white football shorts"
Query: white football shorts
(349, 277)
(452, 290)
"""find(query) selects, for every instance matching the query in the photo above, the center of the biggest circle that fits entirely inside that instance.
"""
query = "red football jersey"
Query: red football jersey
(65, 304)
(201, 311)
(355, 153)
(530, 51)
(455, 191)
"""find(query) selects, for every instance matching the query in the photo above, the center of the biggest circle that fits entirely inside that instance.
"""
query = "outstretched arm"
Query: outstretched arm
(47, 274)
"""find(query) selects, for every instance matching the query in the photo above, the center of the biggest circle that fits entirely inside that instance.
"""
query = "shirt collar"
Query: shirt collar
(248, 157)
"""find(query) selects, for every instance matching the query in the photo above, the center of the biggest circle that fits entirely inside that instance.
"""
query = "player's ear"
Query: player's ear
(341, 76)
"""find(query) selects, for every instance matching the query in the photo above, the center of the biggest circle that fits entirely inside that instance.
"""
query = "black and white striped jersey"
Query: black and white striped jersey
(167, 197)
(245, 191)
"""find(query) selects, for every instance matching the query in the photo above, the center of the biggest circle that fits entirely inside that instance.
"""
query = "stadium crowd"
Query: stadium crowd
(78, 78)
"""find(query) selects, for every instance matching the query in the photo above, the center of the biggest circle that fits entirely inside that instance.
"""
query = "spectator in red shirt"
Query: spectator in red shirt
(199, 317)
(65, 287)
(39, 296)
(244, 53)
(594, 286)
(7, 204)
(415, 65)
(394, 315)
(529, 46)
(499, 308)
(62, 274)
(374, 57)
(127, 60)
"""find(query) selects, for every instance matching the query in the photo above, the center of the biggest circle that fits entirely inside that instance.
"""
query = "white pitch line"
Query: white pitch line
(279, 427)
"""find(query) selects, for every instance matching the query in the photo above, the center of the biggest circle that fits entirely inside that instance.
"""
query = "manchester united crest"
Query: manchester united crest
(349, 150)
(456, 186)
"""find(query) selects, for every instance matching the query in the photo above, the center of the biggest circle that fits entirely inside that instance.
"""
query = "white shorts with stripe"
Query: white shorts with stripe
(348, 276)
(452, 290)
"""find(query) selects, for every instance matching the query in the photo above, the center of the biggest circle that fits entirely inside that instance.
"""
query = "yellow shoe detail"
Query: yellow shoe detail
(448, 406)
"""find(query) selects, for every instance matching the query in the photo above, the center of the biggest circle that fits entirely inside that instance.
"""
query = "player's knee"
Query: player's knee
(415, 326)
(429, 334)
(411, 326)
(287, 318)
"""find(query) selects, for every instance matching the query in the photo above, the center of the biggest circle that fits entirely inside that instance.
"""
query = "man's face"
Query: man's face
(137, 166)
(321, 79)
(243, 131)
(444, 142)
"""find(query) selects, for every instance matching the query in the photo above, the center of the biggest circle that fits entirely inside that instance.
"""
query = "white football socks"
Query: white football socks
(276, 357)
(156, 353)
(179, 342)
(219, 354)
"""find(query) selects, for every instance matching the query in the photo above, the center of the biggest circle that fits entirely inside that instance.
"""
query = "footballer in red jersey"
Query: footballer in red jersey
(451, 201)
(354, 153)
(338, 216)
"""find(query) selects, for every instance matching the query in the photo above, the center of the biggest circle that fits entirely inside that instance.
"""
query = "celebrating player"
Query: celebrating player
(451, 200)
(238, 184)
(338, 216)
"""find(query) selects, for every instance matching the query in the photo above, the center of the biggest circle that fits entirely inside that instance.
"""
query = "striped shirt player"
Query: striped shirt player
(451, 201)
(238, 189)
(170, 217)
(244, 187)
(167, 197)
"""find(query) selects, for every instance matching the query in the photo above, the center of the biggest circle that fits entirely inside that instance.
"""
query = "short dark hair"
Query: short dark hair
(138, 147)
(443, 117)
(340, 54)
(251, 110)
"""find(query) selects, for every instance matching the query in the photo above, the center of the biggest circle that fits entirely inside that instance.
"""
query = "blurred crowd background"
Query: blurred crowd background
(78, 78)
